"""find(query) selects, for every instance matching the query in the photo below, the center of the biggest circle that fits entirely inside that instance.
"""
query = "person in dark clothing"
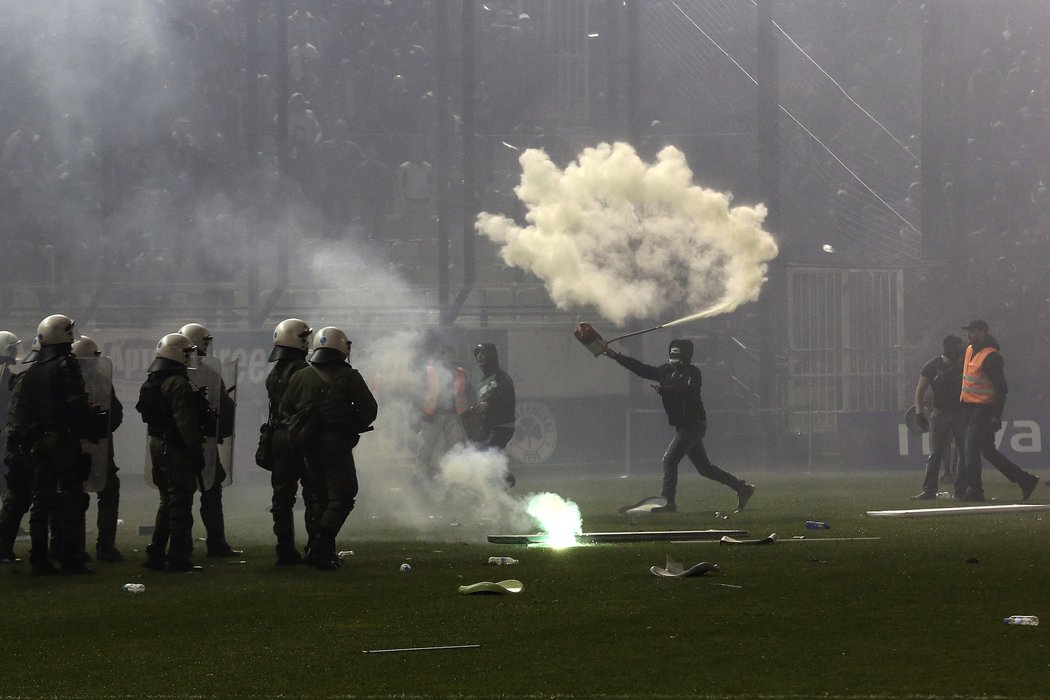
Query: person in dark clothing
(53, 410)
(109, 495)
(942, 375)
(489, 423)
(173, 415)
(335, 406)
(291, 341)
(211, 510)
(19, 477)
(983, 395)
(494, 409)
(679, 389)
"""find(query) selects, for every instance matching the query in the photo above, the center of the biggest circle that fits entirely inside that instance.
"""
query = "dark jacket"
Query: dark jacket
(496, 390)
(51, 397)
(679, 388)
(344, 404)
(179, 419)
(277, 382)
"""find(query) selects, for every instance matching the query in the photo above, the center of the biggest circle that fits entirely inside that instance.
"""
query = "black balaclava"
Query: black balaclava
(680, 351)
(487, 357)
(953, 347)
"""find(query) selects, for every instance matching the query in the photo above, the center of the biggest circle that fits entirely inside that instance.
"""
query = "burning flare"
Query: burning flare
(558, 518)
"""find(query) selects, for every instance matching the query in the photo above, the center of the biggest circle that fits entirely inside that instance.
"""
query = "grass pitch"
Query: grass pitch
(916, 613)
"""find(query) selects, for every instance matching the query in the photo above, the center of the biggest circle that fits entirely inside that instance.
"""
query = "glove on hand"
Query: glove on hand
(996, 423)
(922, 421)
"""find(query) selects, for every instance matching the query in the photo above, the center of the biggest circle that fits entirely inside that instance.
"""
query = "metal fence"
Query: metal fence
(844, 342)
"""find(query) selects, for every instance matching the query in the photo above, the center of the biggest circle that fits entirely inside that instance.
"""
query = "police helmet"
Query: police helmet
(56, 329)
(176, 347)
(86, 347)
(199, 335)
(330, 344)
(9, 343)
(291, 338)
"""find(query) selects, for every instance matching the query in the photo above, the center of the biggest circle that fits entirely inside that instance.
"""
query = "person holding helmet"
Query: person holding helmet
(19, 478)
(291, 342)
(173, 418)
(679, 389)
(330, 405)
(943, 377)
(211, 494)
(53, 410)
(109, 496)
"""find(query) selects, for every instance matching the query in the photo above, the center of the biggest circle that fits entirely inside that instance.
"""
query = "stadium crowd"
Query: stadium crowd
(128, 152)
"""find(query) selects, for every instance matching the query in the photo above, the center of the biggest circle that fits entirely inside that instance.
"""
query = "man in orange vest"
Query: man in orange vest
(983, 397)
(444, 401)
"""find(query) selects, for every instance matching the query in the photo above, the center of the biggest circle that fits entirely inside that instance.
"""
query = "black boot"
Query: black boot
(73, 566)
(322, 553)
(41, 566)
(155, 558)
(288, 556)
(108, 552)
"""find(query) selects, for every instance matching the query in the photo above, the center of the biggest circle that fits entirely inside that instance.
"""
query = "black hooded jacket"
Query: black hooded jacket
(496, 389)
(679, 386)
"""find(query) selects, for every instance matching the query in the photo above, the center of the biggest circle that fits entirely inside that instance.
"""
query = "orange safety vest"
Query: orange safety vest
(976, 386)
(459, 390)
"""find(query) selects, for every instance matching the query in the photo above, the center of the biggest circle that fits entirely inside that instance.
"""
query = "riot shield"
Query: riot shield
(6, 373)
(228, 419)
(98, 381)
(207, 375)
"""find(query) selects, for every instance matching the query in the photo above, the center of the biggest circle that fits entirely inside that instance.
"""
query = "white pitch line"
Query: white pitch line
(790, 539)
(451, 646)
(958, 510)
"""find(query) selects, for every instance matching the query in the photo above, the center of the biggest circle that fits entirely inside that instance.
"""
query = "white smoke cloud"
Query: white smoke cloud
(634, 239)
(467, 498)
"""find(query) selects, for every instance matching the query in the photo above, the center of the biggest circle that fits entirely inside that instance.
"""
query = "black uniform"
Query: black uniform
(679, 389)
(19, 477)
(108, 501)
(52, 404)
(173, 417)
(211, 510)
(337, 406)
(289, 466)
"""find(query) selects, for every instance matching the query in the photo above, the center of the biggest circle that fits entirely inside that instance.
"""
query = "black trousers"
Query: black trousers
(289, 471)
(58, 482)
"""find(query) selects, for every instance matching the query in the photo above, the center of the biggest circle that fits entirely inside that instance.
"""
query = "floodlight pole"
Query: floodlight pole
(768, 105)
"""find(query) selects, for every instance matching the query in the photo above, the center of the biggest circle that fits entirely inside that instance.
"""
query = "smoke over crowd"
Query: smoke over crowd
(634, 239)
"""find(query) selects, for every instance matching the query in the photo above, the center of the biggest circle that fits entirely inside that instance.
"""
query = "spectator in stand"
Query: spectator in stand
(370, 186)
(339, 156)
(415, 184)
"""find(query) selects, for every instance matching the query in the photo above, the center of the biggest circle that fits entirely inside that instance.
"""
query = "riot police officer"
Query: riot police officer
(291, 342)
(325, 408)
(109, 496)
(18, 494)
(173, 415)
(211, 494)
(53, 410)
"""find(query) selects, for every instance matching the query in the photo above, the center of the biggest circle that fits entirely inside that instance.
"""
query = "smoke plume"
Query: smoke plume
(636, 240)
